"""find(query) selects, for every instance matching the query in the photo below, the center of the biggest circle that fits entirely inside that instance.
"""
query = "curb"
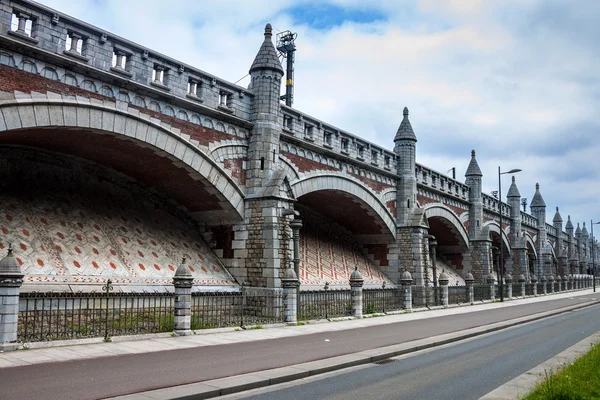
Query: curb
(234, 384)
(525, 383)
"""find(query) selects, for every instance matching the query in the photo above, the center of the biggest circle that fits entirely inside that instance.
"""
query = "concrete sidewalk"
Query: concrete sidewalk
(216, 387)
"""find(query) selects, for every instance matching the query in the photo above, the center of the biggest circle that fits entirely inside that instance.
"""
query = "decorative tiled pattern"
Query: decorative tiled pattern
(329, 254)
(73, 222)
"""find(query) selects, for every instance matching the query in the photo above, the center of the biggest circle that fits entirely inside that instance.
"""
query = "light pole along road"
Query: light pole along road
(465, 370)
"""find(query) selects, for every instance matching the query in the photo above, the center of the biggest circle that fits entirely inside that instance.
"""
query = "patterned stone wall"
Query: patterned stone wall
(329, 254)
(76, 223)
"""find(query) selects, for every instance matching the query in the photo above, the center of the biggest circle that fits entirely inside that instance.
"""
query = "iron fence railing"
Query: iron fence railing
(324, 304)
(481, 292)
(68, 315)
(529, 289)
(249, 306)
(381, 300)
(457, 294)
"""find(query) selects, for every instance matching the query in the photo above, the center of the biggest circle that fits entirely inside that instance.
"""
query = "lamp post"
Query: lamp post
(501, 264)
(592, 223)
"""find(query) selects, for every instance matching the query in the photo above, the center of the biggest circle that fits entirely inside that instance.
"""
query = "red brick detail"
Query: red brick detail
(304, 164)
(424, 200)
(223, 236)
(203, 135)
(12, 79)
(457, 210)
(235, 165)
(455, 259)
(391, 205)
(379, 252)
(372, 183)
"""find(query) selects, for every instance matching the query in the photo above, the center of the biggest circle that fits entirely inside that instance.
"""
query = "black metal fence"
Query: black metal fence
(58, 316)
(529, 289)
(457, 294)
(381, 300)
(324, 304)
(481, 292)
(249, 306)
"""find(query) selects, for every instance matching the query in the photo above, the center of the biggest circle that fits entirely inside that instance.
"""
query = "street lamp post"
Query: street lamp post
(501, 264)
(592, 223)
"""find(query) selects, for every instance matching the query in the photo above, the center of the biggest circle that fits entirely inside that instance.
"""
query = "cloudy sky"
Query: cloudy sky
(516, 80)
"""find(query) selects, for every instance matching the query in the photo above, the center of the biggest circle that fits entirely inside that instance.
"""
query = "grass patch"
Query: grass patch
(578, 381)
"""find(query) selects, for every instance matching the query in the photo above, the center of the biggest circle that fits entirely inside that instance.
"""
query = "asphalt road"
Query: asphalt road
(466, 370)
(124, 374)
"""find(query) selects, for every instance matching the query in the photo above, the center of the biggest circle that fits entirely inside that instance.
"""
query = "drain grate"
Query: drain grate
(386, 361)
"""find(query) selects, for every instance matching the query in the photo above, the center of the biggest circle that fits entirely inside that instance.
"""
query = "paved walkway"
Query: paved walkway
(332, 345)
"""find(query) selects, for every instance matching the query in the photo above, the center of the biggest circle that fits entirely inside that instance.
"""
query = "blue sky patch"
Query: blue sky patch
(326, 16)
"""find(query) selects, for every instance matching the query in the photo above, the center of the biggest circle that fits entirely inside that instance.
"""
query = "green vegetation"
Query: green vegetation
(578, 381)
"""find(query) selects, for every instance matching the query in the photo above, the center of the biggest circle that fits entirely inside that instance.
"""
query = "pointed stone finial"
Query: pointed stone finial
(538, 200)
(557, 217)
(268, 31)
(569, 224)
(9, 266)
(405, 130)
(267, 57)
(513, 191)
(473, 168)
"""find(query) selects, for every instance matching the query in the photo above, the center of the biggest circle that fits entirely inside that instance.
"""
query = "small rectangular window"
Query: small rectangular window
(361, 151)
(328, 138)
(288, 122)
(345, 145)
(374, 156)
(193, 87)
(224, 99)
(21, 23)
(308, 131)
(386, 161)
(158, 74)
(74, 43)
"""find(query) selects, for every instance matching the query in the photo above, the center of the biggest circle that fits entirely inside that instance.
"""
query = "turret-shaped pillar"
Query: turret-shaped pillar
(411, 248)
(583, 260)
(267, 203)
(480, 243)
(405, 147)
(561, 255)
(517, 244)
(538, 210)
(578, 254)
(265, 82)
(473, 181)
(571, 251)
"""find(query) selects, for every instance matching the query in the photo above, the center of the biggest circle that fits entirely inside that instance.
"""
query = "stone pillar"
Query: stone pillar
(290, 286)
(534, 281)
(544, 285)
(491, 281)
(481, 262)
(522, 282)
(469, 281)
(406, 282)
(11, 280)
(444, 287)
(570, 282)
(551, 282)
(559, 280)
(183, 282)
(508, 279)
(356, 287)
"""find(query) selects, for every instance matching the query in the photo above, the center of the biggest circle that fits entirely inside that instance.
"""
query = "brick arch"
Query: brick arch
(347, 186)
(439, 210)
(92, 117)
(493, 226)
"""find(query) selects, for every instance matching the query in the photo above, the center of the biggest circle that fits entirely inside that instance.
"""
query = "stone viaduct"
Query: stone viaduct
(116, 161)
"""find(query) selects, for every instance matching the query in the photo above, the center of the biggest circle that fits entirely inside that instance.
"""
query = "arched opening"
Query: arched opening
(341, 231)
(451, 244)
(74, 223)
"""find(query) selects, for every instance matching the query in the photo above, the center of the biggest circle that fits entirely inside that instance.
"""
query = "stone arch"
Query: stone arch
(89, 86)
(493, 226)
(107, 91)
(182, 115)
(439, 210)
(123, 96)
(138, 101)
(348, 186)
(169, 111)
(70, 79)
(28, 66)
(24, 117)
(7, 59)
(49, 73)
(530, 243)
